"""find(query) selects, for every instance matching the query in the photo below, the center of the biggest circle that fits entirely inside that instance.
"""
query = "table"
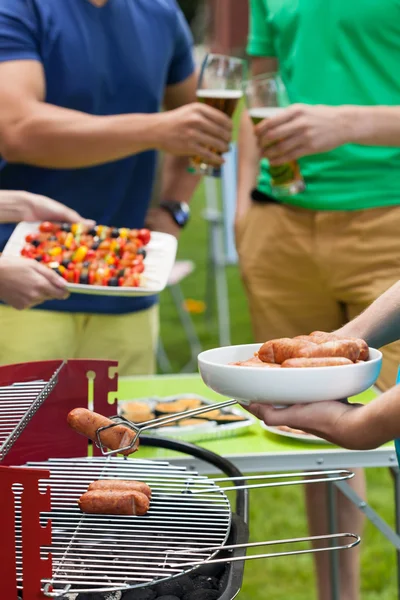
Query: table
(257, 450)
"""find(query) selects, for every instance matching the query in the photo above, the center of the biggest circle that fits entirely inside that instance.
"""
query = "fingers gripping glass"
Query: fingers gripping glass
(221, 87)
(265, 97)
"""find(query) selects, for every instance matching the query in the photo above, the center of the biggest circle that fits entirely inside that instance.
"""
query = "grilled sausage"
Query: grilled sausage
(321, 337)
(86, 423)
(119, 502)
(301, 363)
(276, 351)
(112, 485)
(340, 348)
(280, 350)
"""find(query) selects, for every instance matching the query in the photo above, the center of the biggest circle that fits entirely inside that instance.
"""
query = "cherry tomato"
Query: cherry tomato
(77, 275)
(31, 237)
(138, 268)
(28, 251)
(47, 227)
(144, 236)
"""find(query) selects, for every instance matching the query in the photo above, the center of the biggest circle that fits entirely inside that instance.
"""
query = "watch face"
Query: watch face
(181, 216)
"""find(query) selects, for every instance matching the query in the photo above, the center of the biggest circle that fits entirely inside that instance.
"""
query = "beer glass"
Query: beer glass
(265, 96)
(220, 86)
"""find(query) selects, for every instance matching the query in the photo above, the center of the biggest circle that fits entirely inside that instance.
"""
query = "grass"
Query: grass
(274, 513)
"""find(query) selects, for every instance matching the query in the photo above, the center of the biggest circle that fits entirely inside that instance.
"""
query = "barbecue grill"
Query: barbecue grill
(190, 545)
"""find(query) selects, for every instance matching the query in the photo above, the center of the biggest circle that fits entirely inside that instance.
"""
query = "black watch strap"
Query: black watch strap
(179, 211)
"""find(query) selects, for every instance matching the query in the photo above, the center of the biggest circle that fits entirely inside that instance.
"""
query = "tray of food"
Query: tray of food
(313, 368)
(215, 424)
(102, 260)
(294, 434)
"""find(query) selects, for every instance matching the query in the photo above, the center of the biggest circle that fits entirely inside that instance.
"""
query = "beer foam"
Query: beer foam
(265, 112)
(220, 94)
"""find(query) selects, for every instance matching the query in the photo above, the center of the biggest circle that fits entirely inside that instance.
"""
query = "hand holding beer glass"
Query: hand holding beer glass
(266, 96)
(220, 86)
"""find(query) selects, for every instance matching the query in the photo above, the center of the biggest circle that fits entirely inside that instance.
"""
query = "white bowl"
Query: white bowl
(283, 386)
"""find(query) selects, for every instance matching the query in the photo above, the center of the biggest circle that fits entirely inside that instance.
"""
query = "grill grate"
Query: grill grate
(108, 553)
(18, 403)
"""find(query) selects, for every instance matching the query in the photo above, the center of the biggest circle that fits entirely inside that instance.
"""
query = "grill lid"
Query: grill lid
(103, 553)
(18, 403)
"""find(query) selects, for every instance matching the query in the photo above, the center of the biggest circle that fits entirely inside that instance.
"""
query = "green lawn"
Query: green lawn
(275, 513)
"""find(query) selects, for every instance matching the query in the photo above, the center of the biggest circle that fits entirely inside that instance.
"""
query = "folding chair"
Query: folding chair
(181, 270)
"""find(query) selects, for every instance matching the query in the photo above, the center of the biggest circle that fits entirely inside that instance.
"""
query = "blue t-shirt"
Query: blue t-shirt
(111, 60)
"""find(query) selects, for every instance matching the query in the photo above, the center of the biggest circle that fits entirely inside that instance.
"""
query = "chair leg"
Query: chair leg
(162, 358)
(190, 330)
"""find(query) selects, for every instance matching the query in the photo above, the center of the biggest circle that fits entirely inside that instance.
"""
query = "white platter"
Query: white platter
(197, 433)
(283, 386)
(161, 254)
(307, 438)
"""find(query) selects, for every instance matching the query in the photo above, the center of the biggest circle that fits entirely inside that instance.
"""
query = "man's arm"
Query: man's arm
(37, 133)
(379, 324)
(177, 184)
(304, 129)
(248, 151)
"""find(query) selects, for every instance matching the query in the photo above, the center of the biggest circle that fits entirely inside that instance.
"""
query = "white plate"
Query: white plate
(283, 386)
(160, 258)
(196, 433)
(306, 437)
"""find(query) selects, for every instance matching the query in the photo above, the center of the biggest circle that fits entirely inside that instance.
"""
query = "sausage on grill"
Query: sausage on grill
(87, 422)
(299, 363)
(118, 502)
(113, 485)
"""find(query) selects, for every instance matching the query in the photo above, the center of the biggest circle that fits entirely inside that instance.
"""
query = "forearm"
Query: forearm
(379, 421)
(248, 163)
(371, 125)
(379, 324)
(177, 183)
(54, 137)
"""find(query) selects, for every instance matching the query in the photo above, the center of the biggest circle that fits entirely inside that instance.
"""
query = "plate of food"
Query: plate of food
(102, 260)
(214, 424)
(294, 434)
(312, 368)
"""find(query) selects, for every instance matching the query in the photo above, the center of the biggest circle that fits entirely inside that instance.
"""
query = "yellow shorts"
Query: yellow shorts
(305, 270)
(31, 335)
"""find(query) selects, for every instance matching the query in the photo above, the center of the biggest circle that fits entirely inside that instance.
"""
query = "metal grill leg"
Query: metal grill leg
(334, 556)
(396, 476)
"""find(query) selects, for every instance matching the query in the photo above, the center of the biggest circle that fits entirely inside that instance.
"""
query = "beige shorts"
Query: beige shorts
(305, 270)
(31, 335)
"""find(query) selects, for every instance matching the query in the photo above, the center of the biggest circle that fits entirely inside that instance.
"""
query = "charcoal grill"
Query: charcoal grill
(190, 526)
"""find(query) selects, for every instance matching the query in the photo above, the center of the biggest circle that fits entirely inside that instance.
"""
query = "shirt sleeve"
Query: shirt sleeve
(19, 31)
(182, 64)
(261, 42)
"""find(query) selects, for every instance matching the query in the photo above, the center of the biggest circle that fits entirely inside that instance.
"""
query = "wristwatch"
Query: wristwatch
(179, 211)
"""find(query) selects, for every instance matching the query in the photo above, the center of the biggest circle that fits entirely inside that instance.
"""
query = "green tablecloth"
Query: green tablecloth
(255, 440)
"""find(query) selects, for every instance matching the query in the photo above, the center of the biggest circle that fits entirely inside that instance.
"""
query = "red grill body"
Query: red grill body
(47, 435)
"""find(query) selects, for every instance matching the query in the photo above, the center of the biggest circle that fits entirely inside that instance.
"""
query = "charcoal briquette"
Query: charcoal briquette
(202, 595)
(139, 594)
(171, 587)
(91, 597)
(186, 584)
(202, 582)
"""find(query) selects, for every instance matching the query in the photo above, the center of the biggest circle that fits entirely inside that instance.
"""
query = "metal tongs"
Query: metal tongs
(138, 428)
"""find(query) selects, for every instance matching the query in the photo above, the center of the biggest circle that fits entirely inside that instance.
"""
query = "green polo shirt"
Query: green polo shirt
(336, 52)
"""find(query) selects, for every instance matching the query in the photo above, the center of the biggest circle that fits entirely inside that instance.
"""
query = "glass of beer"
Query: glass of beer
(266, 96)
(220, 86)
